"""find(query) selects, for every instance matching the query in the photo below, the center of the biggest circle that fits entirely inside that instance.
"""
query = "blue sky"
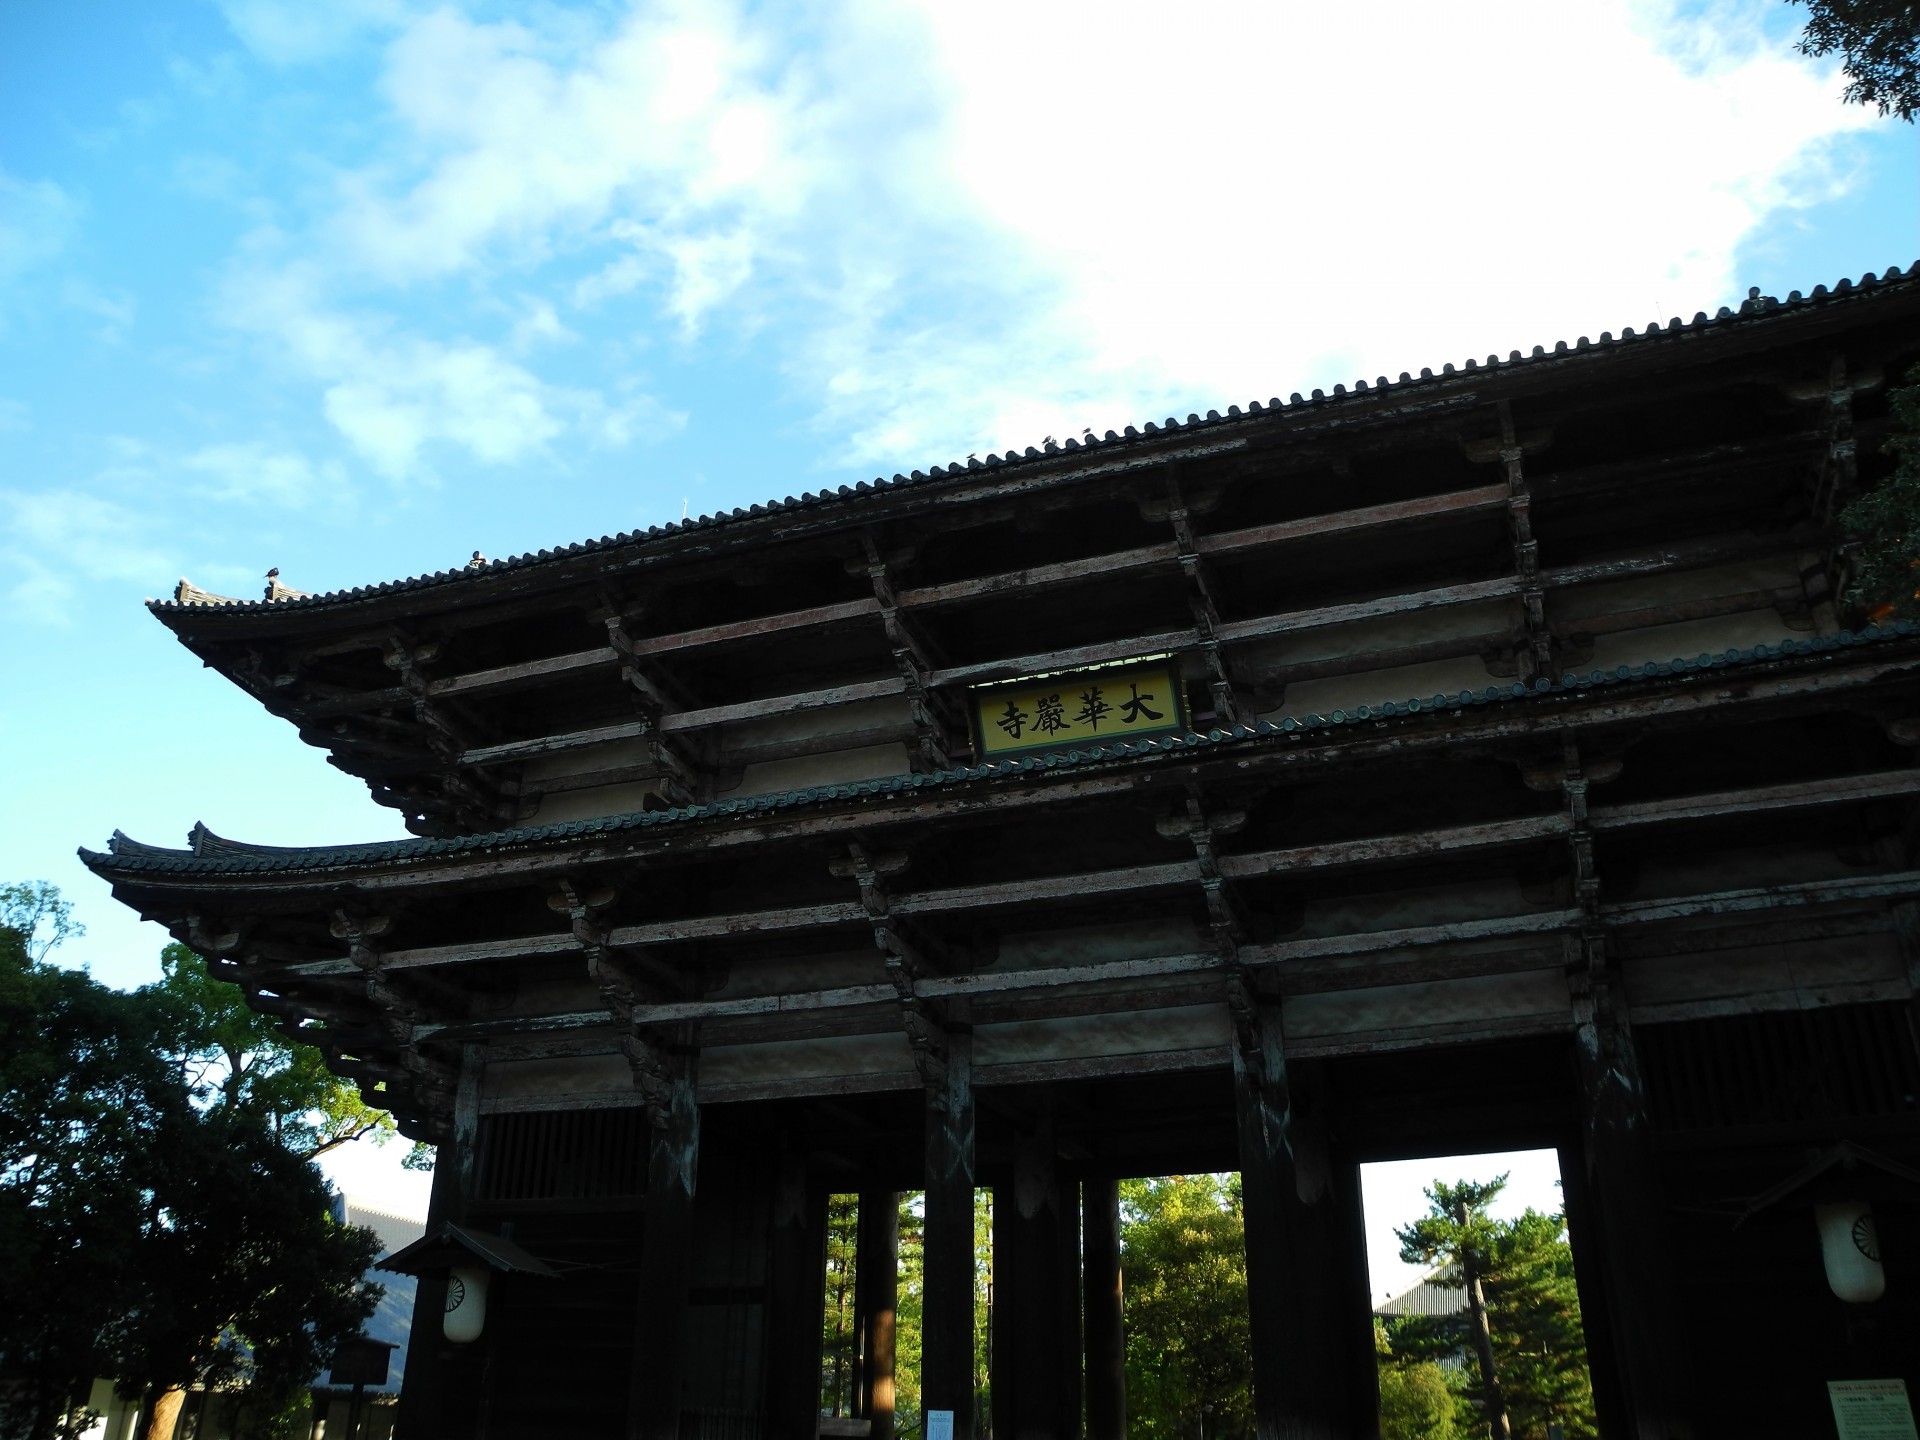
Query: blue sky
(356, 289)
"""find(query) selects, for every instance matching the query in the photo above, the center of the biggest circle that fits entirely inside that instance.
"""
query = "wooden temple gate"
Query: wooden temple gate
(1473, 761)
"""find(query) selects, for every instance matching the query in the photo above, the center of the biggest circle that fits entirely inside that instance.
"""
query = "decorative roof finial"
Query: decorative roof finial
(478, 562)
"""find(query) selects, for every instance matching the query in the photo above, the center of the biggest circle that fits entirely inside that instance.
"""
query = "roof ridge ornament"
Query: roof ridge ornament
(187, 593)
(276, 591)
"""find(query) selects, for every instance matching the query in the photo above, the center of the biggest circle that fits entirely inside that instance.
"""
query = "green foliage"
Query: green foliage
(1525, 1266)
(87, 1105)
(37, 917)
(1878, 42)
(239, 1059)
(840, 1320)
(1416, 1402)
(242, 1273)
(420, 1157)
(1886, 521)
(1183, 1255)
(168, 1228)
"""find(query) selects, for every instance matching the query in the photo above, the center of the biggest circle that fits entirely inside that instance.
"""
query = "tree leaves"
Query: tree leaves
(153, 1192)
(1878, 42)
(1184, 1259)
(1886, 520)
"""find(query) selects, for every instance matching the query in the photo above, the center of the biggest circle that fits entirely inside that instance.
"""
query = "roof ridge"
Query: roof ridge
(1755, 306)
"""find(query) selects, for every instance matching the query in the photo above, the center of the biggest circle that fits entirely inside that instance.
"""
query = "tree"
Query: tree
(86, 1105)
(1415, 1400)
(175, 1225)
(1183, 1251)
(1885, 522)
(242, 1274)
(1524, 1330)
(37, 918)
(1459, 1235)
(1878, 42)
(240, 1060)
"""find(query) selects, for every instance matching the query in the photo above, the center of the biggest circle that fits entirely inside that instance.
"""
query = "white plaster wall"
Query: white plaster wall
(1096, 944)
(1077, 1037)
(837, 767)
(1539, 995)
(1799, 976)
(1688, 639)
(883, 1056)
(593, 803)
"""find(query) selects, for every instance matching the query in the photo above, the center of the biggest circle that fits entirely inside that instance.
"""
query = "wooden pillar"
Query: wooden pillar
(796, 1296)
(876, 1277)
(1036, 1357)
(946, 1355)
(1310, 1336)
(433, 1401)
(1105, 1324)
(665, 1254)
(1627, 1228)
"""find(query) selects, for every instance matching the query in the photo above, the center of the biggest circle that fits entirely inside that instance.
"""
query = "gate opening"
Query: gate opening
(1476, 1311)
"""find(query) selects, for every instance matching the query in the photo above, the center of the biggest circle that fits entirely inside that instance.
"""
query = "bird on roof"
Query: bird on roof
(477, 561)
(274, 573)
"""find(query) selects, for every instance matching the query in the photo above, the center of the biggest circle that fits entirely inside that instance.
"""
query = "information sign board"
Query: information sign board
(1871, 1409)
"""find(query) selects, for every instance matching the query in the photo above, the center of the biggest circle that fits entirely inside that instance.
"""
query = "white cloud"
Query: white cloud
(961, 227)
(1265, 199)
(291, 32)
(257, 474)
(37, 219)
(394, 394)
(57, 538)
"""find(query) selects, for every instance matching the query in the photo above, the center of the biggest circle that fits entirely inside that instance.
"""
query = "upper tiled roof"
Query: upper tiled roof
(1756, 307)
(210, 854)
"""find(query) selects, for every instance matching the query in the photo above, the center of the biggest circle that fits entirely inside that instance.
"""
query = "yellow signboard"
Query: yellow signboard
(1087, 707)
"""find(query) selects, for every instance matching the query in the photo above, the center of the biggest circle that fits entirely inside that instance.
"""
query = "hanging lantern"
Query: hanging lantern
(1850, 1246)
(466, 1313)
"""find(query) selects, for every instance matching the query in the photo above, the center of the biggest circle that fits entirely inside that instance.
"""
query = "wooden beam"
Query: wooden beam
(1757, 800)
(555, 744)
(782, 704)
(502, 677)
(757, 627)
(1313, 527)
(1080, 655)
(1342, 854)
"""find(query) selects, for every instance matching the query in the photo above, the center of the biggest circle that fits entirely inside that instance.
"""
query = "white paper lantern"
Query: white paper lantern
(1851, 1248)
(466, 1303)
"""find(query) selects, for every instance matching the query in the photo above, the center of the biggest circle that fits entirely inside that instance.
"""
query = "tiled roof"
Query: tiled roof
(210, 854)
(1756, 307)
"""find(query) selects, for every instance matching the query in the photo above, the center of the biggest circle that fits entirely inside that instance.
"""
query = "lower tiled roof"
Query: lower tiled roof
(211, 854)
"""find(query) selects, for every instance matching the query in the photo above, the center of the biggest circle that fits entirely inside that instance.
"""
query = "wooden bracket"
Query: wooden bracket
(684, 773)
(935, 727)
(1200, 604)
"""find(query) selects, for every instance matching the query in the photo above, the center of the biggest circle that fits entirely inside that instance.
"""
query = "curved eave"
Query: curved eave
(212, 856)
(545, 569)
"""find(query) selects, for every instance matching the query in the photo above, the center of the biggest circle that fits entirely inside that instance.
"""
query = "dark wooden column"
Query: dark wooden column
(1036, 1355)
(796, 1295)
(431, 1401)
(665, 1254)
(946, 1355)
(876, 1278)
(1310, 1330)
(1105, 1324)
(1627, 1222)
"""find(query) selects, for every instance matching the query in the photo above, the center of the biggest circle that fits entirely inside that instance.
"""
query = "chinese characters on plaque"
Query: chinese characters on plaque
(1087, 707)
